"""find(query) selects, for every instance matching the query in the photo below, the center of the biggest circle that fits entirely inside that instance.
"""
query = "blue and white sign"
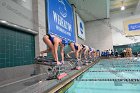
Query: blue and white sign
(60, 19)
(134, 27)
(81, 27)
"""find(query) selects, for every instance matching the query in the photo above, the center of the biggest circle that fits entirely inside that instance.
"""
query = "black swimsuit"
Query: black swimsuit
(51, 38)
(75, 46)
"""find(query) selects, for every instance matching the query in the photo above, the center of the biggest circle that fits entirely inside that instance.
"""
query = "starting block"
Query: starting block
(54, 71)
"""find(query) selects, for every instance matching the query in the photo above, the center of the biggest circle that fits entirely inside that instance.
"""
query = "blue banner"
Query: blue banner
(133, 27)
(81, 27)
(60, 19)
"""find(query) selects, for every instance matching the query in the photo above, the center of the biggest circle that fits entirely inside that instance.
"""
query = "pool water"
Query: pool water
(109, 76)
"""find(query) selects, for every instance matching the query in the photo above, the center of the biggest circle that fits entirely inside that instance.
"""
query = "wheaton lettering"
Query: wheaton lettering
(63, 23)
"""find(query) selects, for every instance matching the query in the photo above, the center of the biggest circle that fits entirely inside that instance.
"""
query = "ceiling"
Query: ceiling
(130, 5)
(90, 10)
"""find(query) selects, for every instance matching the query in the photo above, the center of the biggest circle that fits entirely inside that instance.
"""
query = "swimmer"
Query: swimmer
(53, 42)
(85, 50)
(75, 48)
(91, 51)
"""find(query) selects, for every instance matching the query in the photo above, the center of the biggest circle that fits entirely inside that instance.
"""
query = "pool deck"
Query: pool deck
(39, 84)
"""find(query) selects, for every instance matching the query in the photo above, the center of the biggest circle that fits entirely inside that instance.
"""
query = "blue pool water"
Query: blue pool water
(109, 76)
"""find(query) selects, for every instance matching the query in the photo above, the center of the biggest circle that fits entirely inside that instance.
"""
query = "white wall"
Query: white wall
(117, 21)
(14, 12)
(24, 3)
(98, 35)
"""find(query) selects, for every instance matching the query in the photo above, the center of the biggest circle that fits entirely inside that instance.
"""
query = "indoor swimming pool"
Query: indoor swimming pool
(109, 76)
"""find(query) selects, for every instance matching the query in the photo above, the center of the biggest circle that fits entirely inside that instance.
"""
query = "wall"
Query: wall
(42, 23)
(117, 21)
(78, 40)
(39, 15)
(16, 12)
(17, 47)
(98, 35)
(24, 3)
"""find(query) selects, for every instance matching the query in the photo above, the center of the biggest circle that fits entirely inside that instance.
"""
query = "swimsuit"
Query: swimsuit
(75, 46)
(51, 38)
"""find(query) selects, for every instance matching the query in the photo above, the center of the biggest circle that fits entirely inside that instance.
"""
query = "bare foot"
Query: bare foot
(58, 63)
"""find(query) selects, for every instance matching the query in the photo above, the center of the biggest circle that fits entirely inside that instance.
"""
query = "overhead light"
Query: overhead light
(122, 7)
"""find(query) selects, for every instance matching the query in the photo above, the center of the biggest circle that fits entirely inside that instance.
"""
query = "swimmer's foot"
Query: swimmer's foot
(58, 63)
